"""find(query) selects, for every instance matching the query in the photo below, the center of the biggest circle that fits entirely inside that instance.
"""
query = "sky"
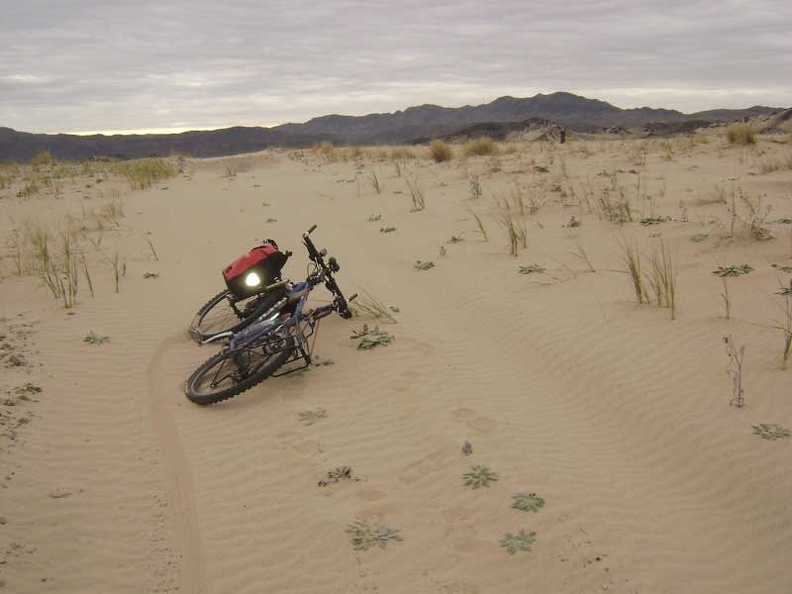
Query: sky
(85, 66)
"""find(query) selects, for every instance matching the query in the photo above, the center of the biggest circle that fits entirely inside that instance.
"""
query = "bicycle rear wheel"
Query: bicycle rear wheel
(232, 371)
(219, 314)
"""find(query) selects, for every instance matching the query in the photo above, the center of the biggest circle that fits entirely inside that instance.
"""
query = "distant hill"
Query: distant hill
(415, 124)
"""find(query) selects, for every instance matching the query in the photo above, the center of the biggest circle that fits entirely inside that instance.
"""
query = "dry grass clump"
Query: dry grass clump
(440, 151)
(481, 146)
(660, 278)
(143, 173)
(741, 134)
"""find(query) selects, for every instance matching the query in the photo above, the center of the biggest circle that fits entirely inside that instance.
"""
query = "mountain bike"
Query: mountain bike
(277, 342)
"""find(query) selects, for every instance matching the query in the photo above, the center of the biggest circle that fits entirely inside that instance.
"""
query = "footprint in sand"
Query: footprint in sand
(434, 462)
(295, 442)
(478, 423)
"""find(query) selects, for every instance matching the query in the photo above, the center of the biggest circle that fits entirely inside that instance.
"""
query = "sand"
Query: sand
(621, 419)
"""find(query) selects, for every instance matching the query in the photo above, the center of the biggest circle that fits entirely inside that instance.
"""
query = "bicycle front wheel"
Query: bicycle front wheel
(220, 315)
(232, 371)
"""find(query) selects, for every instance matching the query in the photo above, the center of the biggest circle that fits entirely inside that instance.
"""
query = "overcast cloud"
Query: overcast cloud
(122, 65)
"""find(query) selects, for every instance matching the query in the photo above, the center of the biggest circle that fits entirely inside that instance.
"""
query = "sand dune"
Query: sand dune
(616, 415)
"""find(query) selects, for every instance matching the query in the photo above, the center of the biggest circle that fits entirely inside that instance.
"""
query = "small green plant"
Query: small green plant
(771, 431)
(531, 269)
(373, 218)
(455, 239)
(527, 502)
(370, 338)
(735, 370)
(572, 224)
(388, 229)
(479, 476)
(654, 221)
(420, 265)
(726, 272)
(521, 541)
(366, 535)
(375, 182)
(309, 417)
(540, 169)
(733, 270)
(93, 338)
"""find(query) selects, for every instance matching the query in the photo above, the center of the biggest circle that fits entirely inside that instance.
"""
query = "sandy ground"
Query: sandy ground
(618, 417)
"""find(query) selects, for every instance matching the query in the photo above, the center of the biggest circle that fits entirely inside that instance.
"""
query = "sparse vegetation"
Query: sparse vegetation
(479, 477)
(418, 199)
(93, 338)
(771, 431)
(366, 535)
(143, 173)
(527, 502)
(439, 151)
(522, 541)
(741, 134)
(735, 370)
(531, 269)
(481, 146)
(725, 272)
(421, 265)
(371, 337)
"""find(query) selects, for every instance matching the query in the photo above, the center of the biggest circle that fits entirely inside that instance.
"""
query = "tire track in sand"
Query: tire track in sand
(178, 477)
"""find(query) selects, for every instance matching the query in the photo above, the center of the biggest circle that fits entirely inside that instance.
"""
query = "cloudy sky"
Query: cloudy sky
(139, 65)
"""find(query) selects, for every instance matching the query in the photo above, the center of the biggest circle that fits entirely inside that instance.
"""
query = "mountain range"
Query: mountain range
(413, 125)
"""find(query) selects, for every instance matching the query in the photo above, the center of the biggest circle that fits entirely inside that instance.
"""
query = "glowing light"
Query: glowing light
(252, 279)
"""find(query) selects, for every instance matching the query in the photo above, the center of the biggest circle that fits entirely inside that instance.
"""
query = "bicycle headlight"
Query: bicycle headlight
(252, 279)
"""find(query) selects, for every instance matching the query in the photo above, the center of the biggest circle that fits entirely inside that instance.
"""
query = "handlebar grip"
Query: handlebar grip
(312, 229)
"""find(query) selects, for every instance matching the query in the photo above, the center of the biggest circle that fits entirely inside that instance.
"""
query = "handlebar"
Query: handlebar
(340, 303)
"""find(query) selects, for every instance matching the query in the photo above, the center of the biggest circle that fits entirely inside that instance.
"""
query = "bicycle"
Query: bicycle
(277, 343)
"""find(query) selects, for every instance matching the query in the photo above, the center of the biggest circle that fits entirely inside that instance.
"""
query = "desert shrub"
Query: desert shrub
(440, 151)
(142, 173)
(741, 134)
(41, 159)
(483, 145)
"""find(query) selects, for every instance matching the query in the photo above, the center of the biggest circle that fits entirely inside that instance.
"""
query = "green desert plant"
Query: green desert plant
(785, 326)
(735, 370)
(479, 476)
(420, 265)
(771, 431)
(370, 338)
(440, 151)
(527, 502)
(366, 535)
(512, 218)
(93, 338)
(388, 229)
(373, 218)
(531, 269)
(521, 541)
(726, 272)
